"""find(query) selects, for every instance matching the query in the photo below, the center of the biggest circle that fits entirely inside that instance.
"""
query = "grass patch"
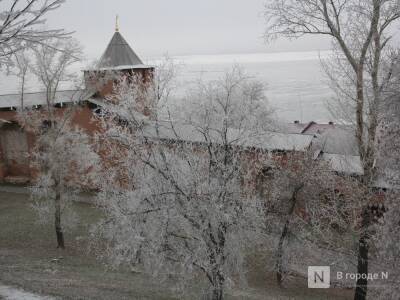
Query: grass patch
(29, 259)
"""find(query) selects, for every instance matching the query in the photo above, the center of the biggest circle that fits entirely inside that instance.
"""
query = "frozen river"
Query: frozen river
(296, 85)
(295, 82)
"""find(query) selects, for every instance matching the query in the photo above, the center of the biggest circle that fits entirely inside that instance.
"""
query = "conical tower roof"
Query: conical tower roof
(119, 54)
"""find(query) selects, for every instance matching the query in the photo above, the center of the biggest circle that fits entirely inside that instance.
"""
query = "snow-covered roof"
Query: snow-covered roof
(266, 141)
(346, 164)
(309, 128)
(119, 53)
(329, 138)
(39, 98)
(127, 67)
(337, 140)
(279, 141)
(295, 127)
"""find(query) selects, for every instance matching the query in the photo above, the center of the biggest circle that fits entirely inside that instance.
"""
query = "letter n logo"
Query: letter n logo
(319, 277)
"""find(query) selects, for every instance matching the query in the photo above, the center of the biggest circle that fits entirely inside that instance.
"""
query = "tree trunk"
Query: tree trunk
(362, 267)
(217, 293)
(59, 232)
(285, 231)
(374, 107)
(218, 287)
(279, 259)
(360, 112)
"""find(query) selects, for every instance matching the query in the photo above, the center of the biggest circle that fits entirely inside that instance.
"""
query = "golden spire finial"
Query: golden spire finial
(117, 23)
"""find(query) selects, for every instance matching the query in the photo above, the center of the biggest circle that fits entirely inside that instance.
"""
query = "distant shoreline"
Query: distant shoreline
(270, 57)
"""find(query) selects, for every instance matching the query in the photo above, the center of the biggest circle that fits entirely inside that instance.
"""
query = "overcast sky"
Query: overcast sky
(177, 27)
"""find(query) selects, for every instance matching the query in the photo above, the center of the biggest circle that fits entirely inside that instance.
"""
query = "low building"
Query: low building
(16, 143)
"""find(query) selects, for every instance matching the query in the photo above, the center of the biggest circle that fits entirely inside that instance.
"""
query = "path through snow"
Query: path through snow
(11, 293)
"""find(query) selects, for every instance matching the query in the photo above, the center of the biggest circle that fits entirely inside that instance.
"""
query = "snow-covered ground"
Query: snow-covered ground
(11, 293)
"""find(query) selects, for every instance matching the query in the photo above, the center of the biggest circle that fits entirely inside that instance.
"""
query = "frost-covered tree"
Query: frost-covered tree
(52, 64)
(182, 206)
(22, 26)
(63, 154)
(22, 63)
(312, 208)
(387, 241)
(389, 134)
(361, 32)
(236, 101)
(387, 238)
(66, 163)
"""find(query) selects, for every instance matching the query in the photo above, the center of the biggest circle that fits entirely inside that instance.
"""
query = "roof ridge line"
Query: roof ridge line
(38, 92)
